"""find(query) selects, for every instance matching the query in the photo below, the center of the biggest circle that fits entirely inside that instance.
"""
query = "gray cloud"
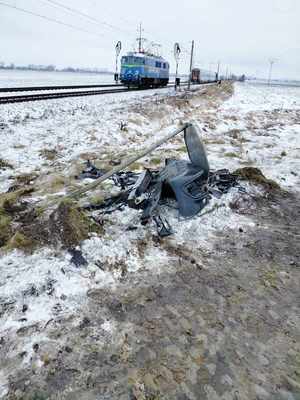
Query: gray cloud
(243, 35)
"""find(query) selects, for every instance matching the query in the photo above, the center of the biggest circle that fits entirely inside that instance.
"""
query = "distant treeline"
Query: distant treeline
(52, 68)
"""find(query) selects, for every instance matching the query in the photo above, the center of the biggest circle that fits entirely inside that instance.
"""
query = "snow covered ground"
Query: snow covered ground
(14, 78)
(76, 128)
(267, 120)
(256, 126)
(71, 128)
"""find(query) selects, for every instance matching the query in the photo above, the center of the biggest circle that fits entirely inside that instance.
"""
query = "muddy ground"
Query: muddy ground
(222, 325)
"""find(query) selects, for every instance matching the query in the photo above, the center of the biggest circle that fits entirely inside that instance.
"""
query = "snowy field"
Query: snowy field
(257, 126)
(15, 78)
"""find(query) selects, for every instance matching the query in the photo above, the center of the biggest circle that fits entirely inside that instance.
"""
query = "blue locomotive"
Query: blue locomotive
(144, 70)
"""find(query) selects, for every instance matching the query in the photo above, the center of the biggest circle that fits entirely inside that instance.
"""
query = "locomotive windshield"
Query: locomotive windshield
(133, 60)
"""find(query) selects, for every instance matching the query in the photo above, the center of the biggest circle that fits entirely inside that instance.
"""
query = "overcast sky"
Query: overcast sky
(243, 35)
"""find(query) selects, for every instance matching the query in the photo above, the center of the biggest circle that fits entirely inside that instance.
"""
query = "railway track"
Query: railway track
(42, 88)
(58, 95)
(47, 96)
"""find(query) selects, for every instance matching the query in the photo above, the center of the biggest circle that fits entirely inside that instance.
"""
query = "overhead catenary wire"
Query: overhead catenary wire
(125, 20)
(92, 19)
(86, 16)
(74, 11)
(57, 21)
(50, 19)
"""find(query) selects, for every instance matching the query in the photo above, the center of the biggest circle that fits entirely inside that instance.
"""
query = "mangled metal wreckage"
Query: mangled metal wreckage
(188, 184)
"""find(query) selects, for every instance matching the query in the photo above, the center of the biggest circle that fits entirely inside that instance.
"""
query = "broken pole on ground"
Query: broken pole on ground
(124, 164)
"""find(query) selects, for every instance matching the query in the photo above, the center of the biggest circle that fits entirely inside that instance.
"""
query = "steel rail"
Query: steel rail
(47, 96)
(59, 95)
(63, 87)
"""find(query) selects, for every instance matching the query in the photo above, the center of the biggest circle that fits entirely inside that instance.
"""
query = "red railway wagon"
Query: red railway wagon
(195, 75)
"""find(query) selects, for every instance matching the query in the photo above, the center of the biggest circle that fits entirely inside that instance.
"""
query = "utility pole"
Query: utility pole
(218, 71)
(177, 52)
(140, 38)
(118, 48)
(191, 65)
(271, 61)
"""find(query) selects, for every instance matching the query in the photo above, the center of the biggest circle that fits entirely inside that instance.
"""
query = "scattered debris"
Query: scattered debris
(91, 172)
(163, 227)
(188, 184)
(77, 258)
(123, 126)
(122, 179)
(24, 308)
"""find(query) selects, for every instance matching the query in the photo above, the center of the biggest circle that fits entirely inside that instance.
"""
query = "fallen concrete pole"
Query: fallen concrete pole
(124, 164)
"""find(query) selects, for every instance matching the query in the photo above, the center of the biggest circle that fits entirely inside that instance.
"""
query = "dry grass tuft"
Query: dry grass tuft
(254, 175)
(22, 181)
(21, 242)
(5, 164)
(231, 154)
(49, 154)
(69, 226)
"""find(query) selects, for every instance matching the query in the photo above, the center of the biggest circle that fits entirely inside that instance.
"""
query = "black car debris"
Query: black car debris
(190, 184)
